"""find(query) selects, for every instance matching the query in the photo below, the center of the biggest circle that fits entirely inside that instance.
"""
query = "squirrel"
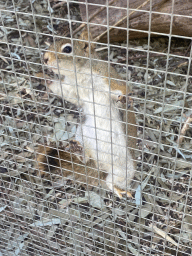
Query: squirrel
(85, 83)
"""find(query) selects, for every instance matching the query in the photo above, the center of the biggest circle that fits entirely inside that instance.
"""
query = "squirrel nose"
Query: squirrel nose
(46, 60)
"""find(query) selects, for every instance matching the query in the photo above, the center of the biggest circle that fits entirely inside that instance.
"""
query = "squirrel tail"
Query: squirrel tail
(47, 160)
(66, 164)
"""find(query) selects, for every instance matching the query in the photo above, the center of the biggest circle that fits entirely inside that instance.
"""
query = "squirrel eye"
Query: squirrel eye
(67, 48)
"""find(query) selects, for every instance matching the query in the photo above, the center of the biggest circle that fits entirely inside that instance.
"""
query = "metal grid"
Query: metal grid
(50, 216)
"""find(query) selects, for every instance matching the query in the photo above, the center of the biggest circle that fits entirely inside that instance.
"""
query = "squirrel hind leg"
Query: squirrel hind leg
(47, 160)
(111, 184)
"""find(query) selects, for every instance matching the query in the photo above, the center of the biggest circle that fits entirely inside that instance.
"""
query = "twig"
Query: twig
(184, 129)
(181, 63)
(120, 21)
(61, 2)
(31, 150)
(163, 234)
(2, 96)
(92, 17)
(188, 48)
(58, 5)
(101, 49)
(1, 57)
(140, 57)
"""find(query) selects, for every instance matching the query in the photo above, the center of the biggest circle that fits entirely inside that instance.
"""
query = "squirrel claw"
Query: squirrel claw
(44, 78)
(119, 193)
(122, 99)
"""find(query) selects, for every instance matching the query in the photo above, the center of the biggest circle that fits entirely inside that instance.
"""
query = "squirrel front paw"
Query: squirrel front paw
(123, 99)
(44, 78)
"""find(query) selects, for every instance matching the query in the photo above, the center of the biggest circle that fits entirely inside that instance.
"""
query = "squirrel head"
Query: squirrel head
(65, 53)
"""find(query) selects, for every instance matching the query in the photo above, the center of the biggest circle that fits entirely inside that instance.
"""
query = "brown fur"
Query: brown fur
(129, 118)
(51, 160)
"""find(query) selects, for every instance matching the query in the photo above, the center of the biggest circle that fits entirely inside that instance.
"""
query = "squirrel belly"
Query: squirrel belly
(101, 134)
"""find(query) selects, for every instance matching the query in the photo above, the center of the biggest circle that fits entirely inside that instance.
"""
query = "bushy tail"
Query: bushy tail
(67, 164)
(50, 160)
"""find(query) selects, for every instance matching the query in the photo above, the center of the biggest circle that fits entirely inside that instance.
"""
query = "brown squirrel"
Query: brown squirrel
(103, 133)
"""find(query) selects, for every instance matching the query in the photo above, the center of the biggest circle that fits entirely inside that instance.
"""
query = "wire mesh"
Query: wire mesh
(56, 195)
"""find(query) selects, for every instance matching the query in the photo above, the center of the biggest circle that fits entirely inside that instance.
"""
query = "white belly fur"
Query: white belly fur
(102, 133)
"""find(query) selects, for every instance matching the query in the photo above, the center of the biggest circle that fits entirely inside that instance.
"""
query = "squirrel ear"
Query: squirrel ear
(86, 36)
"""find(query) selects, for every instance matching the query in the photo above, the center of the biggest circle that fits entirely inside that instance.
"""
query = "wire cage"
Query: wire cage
(95, 131)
